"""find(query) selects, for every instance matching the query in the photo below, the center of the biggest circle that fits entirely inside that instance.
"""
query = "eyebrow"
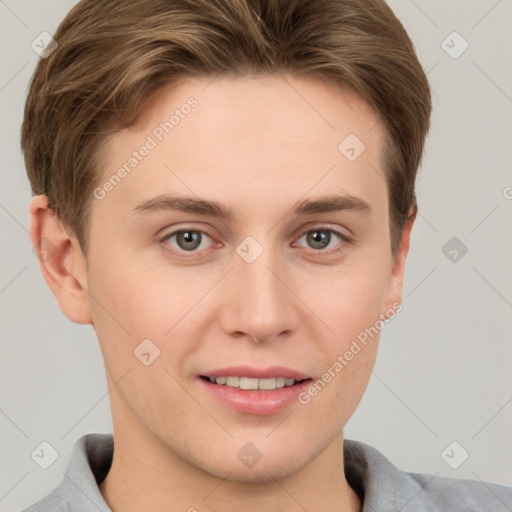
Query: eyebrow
(198, 206)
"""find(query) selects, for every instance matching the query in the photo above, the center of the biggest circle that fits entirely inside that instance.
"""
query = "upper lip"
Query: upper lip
(256, 373)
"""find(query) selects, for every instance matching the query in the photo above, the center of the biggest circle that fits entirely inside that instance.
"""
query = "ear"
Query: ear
(62, 261)
(396, 278)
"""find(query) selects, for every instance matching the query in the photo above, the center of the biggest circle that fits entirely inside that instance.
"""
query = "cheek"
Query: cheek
(350, 304)
(141, 322)
(143, 299)
(134, 302)
(348, 300)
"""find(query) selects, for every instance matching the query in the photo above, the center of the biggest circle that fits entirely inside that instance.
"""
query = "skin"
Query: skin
(255, 145)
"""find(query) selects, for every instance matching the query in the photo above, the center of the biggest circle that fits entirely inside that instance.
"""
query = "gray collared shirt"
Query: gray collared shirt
(382, 486)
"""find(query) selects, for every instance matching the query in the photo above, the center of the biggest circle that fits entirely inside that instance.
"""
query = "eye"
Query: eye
(193, 241)
(187, 240)
(324, 239)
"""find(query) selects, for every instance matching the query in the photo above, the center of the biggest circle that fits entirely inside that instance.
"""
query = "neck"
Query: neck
(147, 475)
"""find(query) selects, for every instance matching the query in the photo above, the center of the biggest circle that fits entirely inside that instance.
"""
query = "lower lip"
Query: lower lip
(256, 402)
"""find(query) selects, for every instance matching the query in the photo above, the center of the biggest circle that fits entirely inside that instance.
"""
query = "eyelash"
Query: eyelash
(344, 240)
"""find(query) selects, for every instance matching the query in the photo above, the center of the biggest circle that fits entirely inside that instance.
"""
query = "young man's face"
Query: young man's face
(267, 292)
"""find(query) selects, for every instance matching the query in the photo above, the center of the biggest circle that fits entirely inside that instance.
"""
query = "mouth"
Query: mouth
(255, 391)
(253, 383)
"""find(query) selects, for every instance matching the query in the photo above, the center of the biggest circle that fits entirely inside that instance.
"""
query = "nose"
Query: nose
(258, 300)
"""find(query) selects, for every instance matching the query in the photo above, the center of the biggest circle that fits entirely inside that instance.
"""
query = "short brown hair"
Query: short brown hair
(114, 55)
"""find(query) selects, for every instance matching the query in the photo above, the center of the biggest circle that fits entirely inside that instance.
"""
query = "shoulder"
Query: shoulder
(385, 487)
(53, 502)
(461, 494)
(78, 490)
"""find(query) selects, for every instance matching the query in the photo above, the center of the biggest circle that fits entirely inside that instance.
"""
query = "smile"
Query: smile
(251, 383)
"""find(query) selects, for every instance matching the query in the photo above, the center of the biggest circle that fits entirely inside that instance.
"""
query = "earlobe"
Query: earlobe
(396, 279)
(61, 260)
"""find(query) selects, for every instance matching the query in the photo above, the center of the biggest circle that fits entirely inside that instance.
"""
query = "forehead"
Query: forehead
(248, 137)
(283, 109)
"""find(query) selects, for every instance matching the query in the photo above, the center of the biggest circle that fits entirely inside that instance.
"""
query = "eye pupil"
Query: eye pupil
(319, 239)
(188, 240)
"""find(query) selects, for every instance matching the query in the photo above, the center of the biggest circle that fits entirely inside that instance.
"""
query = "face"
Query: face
(247, 247)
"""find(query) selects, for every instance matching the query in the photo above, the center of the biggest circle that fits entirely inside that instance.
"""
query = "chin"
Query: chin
(271, 463)
(261, 473)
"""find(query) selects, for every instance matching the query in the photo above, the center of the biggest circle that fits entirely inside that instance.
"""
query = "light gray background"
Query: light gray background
(444, 366)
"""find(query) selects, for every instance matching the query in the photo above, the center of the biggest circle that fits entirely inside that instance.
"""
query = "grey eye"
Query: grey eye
(187, 239)
(321, 238)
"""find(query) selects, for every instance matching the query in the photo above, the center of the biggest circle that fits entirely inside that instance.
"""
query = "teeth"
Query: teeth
(233, 382)
(267, 384)
(249, 383)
